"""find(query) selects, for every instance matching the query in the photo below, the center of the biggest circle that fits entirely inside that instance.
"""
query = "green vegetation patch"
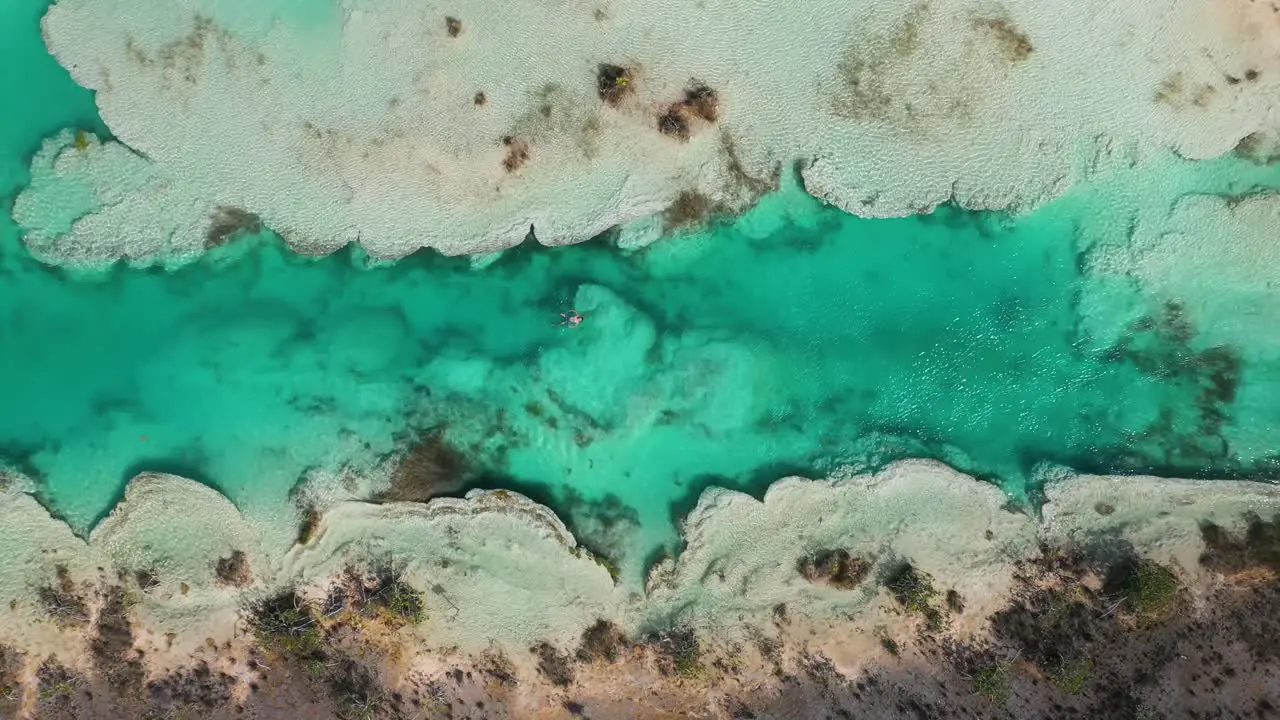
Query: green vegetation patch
(355, 690)
(992, 682)
(398, 600)
(112, 645)
(836, 568)
(10, 676)
(679, 653)
(914, 591)
(1070, 676)
(598, 558)
(286, 626)
(382, 594)
(1151, 591)
(54, 682)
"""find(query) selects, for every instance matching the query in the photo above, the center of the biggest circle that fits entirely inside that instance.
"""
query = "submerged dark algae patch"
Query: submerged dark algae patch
(428, 468)
(227, 223)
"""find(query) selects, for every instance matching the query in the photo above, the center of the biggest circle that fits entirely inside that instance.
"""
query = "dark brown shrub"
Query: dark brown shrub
(234, 570)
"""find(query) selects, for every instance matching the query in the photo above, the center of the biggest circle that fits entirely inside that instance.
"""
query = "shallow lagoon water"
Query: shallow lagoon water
(794, 339)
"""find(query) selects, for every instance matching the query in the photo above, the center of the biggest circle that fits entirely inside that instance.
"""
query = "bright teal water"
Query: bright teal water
(796, 339)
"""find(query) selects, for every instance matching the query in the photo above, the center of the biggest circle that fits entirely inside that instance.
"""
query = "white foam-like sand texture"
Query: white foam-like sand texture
(177, 530)
(34, 543)
(346, 119)
(742, 554)
(495, 567)
(1215, 260)
(492, 566)
(1161, 517)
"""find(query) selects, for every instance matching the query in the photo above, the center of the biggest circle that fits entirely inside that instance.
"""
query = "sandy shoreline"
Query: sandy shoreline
(389, 125)
(496, 575)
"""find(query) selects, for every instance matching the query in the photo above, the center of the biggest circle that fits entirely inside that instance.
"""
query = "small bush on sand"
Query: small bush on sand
(234, 570)
(836, 568)
(402, 602)
(1070, 676)
(555, 666)
(146, 580)
(914, 591)
(63, 601)
(1229, 553)
(673, 122)
(890, 645)
(55, 682)
(690, 209)
(679, 653)
(992, 682)
(821, 670)
(112, 645)
(181, 690)
(614, 83)
(700, 101)
(355, 691)
(602, 641)
(517, 153)
(1151, 591)
(228, 223)
(498, 667)
(10, 675)
(286, 626)
(382, 594)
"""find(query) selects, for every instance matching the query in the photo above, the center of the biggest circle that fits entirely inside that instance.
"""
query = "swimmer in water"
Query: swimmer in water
(570, 319)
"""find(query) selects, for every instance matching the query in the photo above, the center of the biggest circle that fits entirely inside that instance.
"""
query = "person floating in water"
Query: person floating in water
(572, 319)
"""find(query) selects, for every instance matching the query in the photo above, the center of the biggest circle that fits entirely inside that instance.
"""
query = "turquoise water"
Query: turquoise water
(796, 339)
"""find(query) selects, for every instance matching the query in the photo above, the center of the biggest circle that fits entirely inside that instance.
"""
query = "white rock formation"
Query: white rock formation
(359, 119)
(495, 567)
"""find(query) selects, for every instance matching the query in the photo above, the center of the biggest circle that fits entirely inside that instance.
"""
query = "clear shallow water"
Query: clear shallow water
(797, 339)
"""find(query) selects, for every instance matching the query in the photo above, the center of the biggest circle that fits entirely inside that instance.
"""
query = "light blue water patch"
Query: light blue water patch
(256, 19)
(796, 339)
(39, 97)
